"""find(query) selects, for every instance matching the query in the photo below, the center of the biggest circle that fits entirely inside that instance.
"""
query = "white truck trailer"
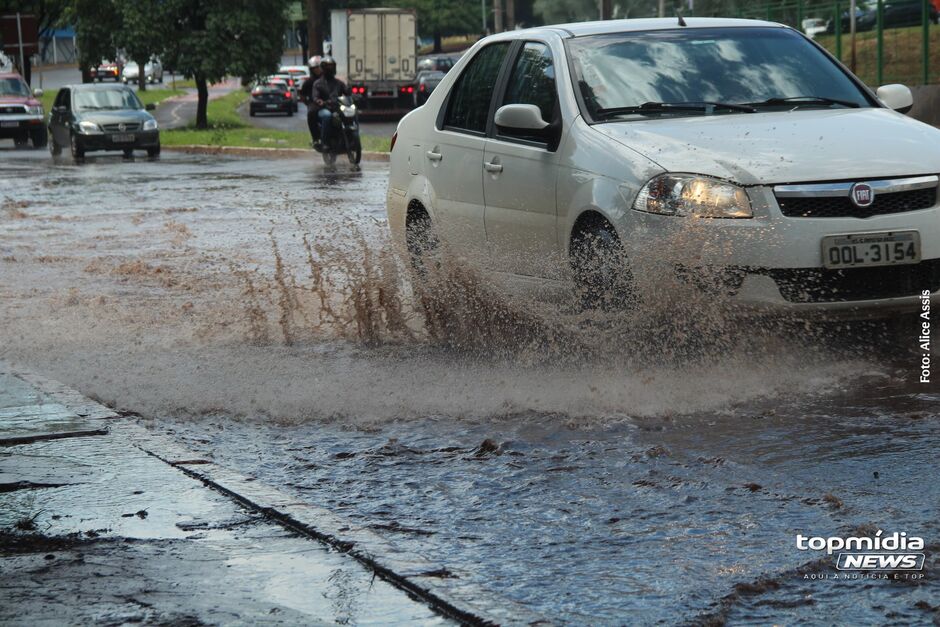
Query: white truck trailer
(376, 54)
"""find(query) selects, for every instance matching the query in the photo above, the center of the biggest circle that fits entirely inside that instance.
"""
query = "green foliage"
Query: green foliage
(217, 38)
(444, 17)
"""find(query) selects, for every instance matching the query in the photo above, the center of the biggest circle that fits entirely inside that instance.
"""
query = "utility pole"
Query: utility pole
(662, 8)
(852, 32)
(607, 9)
(314, 27)
(510, 14)
(497, 16)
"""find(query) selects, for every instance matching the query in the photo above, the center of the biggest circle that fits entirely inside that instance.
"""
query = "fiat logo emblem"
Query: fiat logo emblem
(123, 127)
(862, 195)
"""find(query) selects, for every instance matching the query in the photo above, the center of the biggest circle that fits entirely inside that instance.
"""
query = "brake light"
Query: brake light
(394, 139)
(287, 94)
(423, 87)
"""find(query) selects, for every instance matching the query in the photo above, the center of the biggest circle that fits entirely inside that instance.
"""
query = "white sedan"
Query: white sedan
(738, 153)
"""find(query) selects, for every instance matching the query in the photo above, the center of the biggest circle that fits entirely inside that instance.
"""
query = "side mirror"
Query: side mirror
(150, 106)
(37, 93)
(897, 97)
(524, 118)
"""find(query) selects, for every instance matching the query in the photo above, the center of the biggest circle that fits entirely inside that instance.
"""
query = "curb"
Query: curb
(263, 153)
(426, 580)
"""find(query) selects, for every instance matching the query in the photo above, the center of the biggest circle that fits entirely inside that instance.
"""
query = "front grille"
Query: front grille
(13, 109)
(808, 285)
(114, 128)
(842, 207)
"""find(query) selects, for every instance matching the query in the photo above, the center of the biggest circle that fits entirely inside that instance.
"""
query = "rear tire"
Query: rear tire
(54, 148)
(128, 153)
(290, 113)
(601, 276)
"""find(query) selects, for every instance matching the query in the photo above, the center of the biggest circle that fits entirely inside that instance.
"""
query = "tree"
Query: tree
(146, 26)
(95, 22)
(217, 38)
(440, 18)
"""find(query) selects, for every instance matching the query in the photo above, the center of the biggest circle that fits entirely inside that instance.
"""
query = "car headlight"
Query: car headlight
(89, 128)
(35, 110)
(150, 125)
(692, 195)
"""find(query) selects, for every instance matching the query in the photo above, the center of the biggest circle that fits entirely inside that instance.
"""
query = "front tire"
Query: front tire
(354, 153)
(76, 148)
(39, 138)
(329, 157)
(21, 140)
(601, 275)
(154, 152)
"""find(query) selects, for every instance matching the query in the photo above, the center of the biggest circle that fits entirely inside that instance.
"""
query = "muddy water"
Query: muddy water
(254, 309)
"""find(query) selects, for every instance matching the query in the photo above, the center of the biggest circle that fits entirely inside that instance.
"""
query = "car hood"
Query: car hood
(114, 117)
(21, 100)
(788, 146)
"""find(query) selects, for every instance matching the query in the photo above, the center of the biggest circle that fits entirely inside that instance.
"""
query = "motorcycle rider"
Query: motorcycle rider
(325, 89)
(306, 96)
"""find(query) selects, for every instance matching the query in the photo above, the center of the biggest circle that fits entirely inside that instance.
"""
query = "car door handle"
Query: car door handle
(493, 167)
(434, 156)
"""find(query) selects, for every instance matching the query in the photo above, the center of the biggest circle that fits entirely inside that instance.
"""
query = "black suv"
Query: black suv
(101, 117)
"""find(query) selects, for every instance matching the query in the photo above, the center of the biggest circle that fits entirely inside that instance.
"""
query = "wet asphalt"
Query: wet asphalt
(591, 492)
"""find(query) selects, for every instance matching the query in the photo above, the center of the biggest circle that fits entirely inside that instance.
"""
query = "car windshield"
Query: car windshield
(101, 99)
(13, 86)
(622, 71)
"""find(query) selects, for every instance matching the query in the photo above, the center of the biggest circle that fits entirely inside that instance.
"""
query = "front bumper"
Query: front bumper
(105, 141)
(16, 125)
(773, 263)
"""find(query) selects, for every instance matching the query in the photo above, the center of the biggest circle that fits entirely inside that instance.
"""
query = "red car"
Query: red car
(110, 70)
(21, 114)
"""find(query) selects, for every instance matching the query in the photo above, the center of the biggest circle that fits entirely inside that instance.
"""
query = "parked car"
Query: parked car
(153, 72)
(21, 114)
(110, 70)
(897, 15)
(271, 97)
(426, 82)
(813, 26)
(846, 20)
(292, 85)
(435, 64)
(769, 176)
(89, 118)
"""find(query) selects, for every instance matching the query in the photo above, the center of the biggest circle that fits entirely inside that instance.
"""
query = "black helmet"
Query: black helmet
(328, 65)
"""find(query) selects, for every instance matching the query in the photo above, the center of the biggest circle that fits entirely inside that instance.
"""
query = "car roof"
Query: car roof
(606, 27)
(10, 75)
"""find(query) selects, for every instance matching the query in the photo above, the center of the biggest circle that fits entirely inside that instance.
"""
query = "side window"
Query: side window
(469, 103)
(61, 98)
(533, 80)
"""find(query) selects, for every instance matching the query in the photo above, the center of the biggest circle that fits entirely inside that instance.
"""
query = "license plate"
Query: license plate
(122, 139)
(271, 106)
(9, 124)
(871, 249)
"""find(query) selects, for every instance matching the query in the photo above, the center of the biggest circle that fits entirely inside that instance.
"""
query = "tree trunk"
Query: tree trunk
(497, 16)
(438, 43)
(141, 76)
(314, 27)
(203, 90)
(510, 15)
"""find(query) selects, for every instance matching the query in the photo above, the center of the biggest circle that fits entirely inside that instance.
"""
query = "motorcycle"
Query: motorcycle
(344, 135)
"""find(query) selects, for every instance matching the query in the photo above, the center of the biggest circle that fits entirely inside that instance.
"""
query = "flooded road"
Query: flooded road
(255, 311)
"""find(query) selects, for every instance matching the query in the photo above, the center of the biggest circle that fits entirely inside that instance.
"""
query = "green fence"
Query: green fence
(895, 42)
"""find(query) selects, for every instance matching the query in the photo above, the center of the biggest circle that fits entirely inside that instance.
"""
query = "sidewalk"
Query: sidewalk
(94, 529)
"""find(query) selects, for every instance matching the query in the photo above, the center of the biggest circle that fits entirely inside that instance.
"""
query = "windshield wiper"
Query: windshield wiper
(805, 100)
(667, 107)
